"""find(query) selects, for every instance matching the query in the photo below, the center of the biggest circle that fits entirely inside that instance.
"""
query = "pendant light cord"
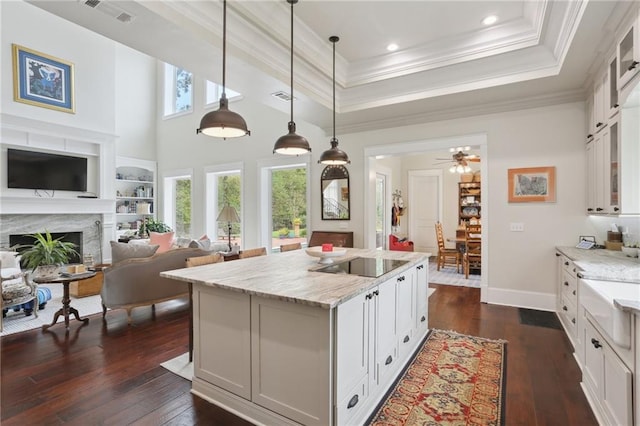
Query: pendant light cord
(224, 47)
(292, 3)
(334, 87)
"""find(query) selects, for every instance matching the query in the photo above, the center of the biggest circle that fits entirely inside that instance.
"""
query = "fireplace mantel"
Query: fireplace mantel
(44, 205)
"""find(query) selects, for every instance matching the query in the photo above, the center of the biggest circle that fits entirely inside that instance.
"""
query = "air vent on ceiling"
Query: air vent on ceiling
(282, 95)
(111, 10)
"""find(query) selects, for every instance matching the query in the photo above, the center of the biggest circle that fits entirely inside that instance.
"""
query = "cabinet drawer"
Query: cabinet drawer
(406, 341)
(568, 316)
(570, 286)
(353, 402)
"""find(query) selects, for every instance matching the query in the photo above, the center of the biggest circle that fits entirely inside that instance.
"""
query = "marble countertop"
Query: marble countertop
(604, 265)
(290, 276)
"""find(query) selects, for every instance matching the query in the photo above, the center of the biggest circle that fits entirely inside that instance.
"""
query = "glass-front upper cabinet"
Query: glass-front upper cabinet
(612, 92)
(628, 54)
(613, 181)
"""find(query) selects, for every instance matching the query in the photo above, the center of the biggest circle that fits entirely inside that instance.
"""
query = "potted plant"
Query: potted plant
(296, 226)
(152, 225)
(283, 232)
(45, 256)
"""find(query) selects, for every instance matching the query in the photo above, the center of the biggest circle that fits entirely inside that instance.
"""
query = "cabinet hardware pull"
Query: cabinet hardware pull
(599, 209)
(368, 296)
(564, 308)
(573, 320)
(566, 283)
(579, 275)
(399, 279)
(596, 344)
(573, 292)
(406, 339)
(633, 65)
(566, 263)
(423, 319)
(420, 267)
(589, 209)
(616, 105)
(574, 269)
(598, 124)
(389, 360)
(589, 136)
(615, 209)
(557, 254)
(377, 292)
(353, 401)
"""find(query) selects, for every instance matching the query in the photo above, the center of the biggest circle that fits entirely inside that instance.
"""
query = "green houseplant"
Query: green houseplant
(47, 254)
(152, 225)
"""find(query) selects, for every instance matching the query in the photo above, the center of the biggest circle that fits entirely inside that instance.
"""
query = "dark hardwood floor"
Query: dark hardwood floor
(109, 373)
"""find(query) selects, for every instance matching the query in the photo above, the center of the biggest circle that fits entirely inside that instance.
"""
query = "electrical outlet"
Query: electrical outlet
(516, 227)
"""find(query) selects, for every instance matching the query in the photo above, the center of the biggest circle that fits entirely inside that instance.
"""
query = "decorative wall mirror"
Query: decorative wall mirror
(334, 186)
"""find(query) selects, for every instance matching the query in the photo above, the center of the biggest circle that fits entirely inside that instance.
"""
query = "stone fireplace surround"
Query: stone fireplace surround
(13, 224)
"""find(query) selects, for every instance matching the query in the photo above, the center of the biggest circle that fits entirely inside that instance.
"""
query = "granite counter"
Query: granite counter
(604, 265)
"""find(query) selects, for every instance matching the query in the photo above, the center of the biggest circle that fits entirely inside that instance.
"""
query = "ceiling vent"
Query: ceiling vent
(283, 96)
(111, 10)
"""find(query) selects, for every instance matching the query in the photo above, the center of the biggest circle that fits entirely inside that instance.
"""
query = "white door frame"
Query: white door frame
(439, 144)
(386, 228)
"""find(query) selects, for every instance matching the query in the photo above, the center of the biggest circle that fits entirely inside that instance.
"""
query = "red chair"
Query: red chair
(399, 245)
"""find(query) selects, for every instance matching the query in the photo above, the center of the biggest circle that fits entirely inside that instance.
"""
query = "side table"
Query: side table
(66, 309)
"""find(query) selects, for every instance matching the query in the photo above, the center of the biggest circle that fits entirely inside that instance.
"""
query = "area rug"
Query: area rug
(180, 365)
(449, 276)
(453, 379)
(539, 318)
(16, 322)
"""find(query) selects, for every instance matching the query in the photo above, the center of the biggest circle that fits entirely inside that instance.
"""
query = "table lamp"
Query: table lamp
(228, 214)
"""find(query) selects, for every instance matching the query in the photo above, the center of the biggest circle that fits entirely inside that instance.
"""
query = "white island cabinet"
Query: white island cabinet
(278, 343)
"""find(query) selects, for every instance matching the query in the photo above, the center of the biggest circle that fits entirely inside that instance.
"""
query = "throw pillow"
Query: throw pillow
(122, 251)
(163, 239)
(8, 259)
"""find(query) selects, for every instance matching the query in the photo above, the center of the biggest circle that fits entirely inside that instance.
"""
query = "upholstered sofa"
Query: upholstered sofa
(135, 282)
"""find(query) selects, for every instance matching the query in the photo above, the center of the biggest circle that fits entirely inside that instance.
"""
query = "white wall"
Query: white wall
(521, 264)
(93, 57)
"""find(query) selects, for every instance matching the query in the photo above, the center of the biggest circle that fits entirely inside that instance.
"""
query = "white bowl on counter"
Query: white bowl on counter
(326, 256)
(630, 251)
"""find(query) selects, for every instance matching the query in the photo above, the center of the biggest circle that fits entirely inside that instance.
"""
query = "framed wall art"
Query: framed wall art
(533, 184)
(42, 80)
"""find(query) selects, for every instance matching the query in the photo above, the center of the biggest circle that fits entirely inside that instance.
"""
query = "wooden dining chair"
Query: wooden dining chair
(446, 256)
(472, 257)
(289, 247)
(204, 260)
(262, 251)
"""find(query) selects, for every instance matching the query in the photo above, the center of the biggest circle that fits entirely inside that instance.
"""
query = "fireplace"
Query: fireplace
(72, 237)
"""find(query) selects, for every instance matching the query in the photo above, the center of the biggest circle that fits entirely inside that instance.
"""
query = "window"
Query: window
(177, 204)
(214, 91)
(178, 90)
(224, 187)
(288, 206)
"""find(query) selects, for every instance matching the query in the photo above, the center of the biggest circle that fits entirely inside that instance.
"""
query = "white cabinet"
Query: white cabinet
(567, 298)
(599, 102)
(607, 380)
(603, 170)
(612, 103)
(280, 362)
(629, 151)
(135, 185)
(628, 54)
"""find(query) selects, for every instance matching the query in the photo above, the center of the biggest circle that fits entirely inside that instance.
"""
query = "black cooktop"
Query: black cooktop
(363, 266)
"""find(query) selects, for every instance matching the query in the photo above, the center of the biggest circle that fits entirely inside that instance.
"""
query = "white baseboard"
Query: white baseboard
(521, 299)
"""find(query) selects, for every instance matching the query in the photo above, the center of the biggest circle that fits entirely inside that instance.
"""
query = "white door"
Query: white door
(425, 196)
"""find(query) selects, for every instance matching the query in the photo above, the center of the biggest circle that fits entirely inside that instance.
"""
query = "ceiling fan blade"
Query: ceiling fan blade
(474, 159)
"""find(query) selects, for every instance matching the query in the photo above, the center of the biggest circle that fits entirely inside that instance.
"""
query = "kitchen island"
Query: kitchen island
(277, 342)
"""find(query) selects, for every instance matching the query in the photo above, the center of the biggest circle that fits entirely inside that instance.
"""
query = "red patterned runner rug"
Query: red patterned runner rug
(453, 379)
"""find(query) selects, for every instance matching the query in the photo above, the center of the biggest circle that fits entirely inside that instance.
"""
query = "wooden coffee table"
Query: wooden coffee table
(66, 309)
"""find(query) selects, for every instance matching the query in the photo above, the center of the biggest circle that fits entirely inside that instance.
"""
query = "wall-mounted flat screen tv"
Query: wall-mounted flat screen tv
(39, 170)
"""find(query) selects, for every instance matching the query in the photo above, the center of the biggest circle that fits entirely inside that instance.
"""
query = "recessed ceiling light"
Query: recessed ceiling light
(392, 47)
(490, 20)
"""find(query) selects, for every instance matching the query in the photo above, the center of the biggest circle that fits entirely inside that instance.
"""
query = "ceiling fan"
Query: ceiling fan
(461, 159)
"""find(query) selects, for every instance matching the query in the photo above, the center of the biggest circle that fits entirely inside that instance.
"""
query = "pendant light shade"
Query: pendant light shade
(291, 143)
(334, 155)
(223, 123)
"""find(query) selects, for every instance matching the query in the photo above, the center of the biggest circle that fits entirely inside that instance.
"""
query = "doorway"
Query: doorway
(407, 151)
(425, 191)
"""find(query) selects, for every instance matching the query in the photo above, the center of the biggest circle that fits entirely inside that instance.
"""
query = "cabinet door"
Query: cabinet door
(352, 348)
(593, 361)
(222, 339)
(422, 300)
(611, 98)
(628, 55)
(385, 346)
(612, 165)
(591, 176)
(616, 389)
(599, 102)
(406, 309)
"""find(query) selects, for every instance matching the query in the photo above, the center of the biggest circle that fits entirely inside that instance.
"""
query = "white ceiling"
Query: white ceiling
(448, 63)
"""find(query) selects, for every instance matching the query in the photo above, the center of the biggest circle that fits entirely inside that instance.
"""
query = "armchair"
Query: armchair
(16, 287)
(399, 244)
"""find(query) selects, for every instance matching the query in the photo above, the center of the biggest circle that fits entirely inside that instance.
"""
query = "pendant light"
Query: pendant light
(291, 143)
(334, 155)
(223, 123)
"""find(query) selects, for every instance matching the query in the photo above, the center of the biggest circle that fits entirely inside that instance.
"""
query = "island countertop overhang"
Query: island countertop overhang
(291, 276)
